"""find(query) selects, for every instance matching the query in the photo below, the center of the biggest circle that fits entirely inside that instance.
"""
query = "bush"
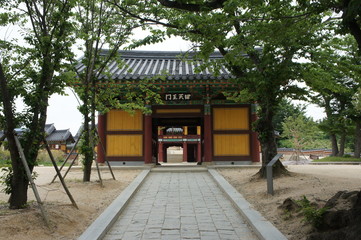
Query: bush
(312, 214)
(5, 159)
(44, 158)
(5, 179)
(6, 175)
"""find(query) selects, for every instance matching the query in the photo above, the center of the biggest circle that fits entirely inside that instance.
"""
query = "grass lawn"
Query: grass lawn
(338, 159)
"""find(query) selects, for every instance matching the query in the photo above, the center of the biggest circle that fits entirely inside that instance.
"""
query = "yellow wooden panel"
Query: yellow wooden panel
(122, 120)
(124, 145)
(231, 145)
(63, 147)
(178, 110)
(230, 118)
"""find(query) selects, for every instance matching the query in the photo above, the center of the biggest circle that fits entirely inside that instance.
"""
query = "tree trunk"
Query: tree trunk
(93, 116)
(267, 140)
(334, 145)
(341, 151)
(357, 151)
(19, 181)
(331, 124)
(87, 151)
(88, 158)
(32, 139)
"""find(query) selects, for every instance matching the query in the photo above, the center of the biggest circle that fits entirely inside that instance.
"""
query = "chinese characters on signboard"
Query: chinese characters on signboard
(177, 97)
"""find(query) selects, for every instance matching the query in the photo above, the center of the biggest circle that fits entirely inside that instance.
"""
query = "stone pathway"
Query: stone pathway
(178, 206)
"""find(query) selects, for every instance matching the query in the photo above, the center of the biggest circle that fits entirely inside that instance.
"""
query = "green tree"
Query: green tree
(351, 18)
(284, 110)
(260, 42)
(352, 23)
(31, 73)
(97, 26)
(335, 61)
(302, 133)
(356, 103)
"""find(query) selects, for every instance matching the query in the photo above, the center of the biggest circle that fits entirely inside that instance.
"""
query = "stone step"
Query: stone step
(179, 169)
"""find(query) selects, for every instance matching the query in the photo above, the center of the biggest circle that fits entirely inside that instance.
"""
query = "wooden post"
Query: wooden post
(185, 151)
(207, 134)
(147, 139)
(106, 160)
(185, 145)
(59, 174)
(199, 152)
(160, 146)
(165, 155)
(33, 186)
(255, 147)
(67, 157)
(160, 152)
(71, 164)
(96, 162)
(199, 145)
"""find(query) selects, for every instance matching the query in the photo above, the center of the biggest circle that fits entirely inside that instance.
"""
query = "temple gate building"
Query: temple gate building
(195, 115)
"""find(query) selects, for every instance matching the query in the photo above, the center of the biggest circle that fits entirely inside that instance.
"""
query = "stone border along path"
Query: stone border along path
(180, 204)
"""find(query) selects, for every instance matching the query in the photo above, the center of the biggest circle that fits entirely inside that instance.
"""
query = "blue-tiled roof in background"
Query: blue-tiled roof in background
(53, 136)
(60, 136)
(49, 128)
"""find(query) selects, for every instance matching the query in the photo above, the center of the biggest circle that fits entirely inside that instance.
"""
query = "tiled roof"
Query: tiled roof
(59, 136)
(49, 128)
(53, 136)
(144, 64)
(19, 132)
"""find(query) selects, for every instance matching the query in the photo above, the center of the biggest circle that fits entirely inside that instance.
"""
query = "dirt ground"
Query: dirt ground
(66, 221)
(317, 183)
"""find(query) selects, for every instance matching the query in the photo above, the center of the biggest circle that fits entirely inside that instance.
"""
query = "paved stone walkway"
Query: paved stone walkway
(180, 206)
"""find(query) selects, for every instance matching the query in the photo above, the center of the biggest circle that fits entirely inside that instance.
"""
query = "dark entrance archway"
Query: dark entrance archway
(185, 132)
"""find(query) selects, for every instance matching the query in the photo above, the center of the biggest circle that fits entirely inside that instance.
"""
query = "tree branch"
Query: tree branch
(206, 6)
(124, 10)
(355, 31)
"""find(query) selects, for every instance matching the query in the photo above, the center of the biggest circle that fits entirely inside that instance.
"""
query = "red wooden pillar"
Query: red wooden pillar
(160, 152)
(185, 151)
(147, 139)
(101, 132)
(185, 145)
(199, 144)
(199, 152)
(165, 155)
(207, 133)
(255, 149)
